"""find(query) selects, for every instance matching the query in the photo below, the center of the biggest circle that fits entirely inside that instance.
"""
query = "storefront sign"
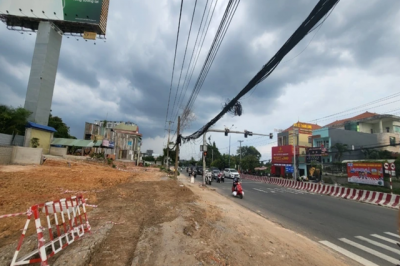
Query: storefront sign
(302, 126)
(313, 155)
(365, 173)
(105, 143)
(282, 154)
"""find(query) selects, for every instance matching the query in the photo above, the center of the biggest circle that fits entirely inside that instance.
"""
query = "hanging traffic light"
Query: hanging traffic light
(247, 133)
(226, 131)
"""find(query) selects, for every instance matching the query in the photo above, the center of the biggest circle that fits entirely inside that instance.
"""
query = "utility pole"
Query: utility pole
(169, 130)
(229, 152)
(295, 140)
(240, 160)
(204, 158)
(177, 148)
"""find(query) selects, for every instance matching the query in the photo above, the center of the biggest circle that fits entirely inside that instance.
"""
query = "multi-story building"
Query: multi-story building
(367, 130)
(298, 138)
(119, 139)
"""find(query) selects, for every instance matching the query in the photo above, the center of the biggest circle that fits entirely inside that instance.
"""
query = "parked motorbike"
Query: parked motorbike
(208, 179)
(238, 190)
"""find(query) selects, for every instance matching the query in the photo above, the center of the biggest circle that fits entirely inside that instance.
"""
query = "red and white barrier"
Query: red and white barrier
(372, 197)
(71, 227)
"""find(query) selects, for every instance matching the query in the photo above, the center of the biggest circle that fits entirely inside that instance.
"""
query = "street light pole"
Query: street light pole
(240, 160)
(229, 151)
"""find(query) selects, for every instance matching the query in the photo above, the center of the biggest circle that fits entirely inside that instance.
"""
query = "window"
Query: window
(392, 141)
(388, 129)
(396, 129)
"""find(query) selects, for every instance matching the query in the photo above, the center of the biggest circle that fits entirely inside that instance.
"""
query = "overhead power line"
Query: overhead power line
(319, 12)
(219, 36)
(184, 57)
(397, 94)
(173, 66)
(191, 57)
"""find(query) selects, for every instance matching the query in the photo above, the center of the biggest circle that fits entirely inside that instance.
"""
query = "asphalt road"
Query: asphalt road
(364, 232)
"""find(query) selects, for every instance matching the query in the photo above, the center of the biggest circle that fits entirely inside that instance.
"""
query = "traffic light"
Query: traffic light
(271, 135)
(226, 131)
(247, 133)
(204, 153)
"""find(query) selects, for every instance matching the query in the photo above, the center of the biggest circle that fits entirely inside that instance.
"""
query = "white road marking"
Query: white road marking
(394, 250)
(369, 250)
(349, 254)
(391, 234)
(385, 238)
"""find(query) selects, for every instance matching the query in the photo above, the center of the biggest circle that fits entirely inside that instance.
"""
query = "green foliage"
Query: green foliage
(35, 142)
(62, 129)
(377, 154)
(397, 164)
(114, 166)
(250, 162)
(149, 159)
(109, 161)
(13, 120)
(340, 149)
(249, 150)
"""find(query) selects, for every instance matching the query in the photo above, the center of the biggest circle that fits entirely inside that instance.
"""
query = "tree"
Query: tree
(13, 120)
(397, 164)
(250, 162)
(172, 154)
(149, 159)
(340, 149)
(62, 129)
(377, 154)
(248, 150)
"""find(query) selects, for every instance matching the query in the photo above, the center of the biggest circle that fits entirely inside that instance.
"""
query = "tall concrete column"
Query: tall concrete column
(39, 94)
(380, 126)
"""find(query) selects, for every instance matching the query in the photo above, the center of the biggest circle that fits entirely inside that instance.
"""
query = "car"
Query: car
(199, 170)
(231, 173)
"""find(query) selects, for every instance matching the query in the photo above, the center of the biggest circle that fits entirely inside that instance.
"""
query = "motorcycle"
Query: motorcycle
(238, 190)
(220, 178)
(208, 179)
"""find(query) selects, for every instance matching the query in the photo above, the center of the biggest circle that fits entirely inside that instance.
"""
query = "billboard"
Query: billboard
(28, 13)
(365, 173)
(282, 154)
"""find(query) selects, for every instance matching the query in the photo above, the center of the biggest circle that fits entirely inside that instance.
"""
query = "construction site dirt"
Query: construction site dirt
(145, 217)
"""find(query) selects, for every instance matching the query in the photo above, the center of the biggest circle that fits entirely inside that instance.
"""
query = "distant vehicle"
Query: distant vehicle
(302, 178)
(215, 173)
(231, 173)
(199, 170)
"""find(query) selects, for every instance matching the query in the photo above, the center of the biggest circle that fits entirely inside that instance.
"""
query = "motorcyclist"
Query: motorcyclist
(235, 182)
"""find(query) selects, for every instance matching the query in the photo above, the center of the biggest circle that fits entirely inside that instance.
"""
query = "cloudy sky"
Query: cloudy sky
(353, 59)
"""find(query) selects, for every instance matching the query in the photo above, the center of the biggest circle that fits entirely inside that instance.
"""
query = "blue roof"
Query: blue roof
(37, 126)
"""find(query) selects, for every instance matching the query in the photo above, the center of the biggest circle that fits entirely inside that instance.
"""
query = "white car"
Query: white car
(231, 173)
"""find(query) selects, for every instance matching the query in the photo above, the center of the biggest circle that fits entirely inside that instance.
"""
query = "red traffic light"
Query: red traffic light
(205, 154)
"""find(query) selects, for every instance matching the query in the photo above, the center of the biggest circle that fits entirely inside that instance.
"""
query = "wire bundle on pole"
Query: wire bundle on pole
(219, 36)
(320, 11)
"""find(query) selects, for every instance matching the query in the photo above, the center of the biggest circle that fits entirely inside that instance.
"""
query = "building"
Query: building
(43, 135)
(119, 139)
(299, 136)
(149, 153)
(385, 127)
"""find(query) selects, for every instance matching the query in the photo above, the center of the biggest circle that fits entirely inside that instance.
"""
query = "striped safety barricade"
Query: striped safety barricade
(65, 222)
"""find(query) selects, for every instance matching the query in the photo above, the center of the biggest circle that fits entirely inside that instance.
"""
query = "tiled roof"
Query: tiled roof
(357, 117)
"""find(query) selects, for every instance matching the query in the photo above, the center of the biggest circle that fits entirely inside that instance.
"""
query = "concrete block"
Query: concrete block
(58, 151)
(25, 155)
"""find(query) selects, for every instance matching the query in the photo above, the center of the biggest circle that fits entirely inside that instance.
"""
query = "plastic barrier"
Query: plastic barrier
(372, 197)
(70, 223)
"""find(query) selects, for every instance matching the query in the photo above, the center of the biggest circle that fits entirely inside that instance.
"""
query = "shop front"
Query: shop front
(282, 157)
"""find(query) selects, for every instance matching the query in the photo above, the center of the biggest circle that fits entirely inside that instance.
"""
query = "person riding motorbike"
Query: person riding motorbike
(235, 182)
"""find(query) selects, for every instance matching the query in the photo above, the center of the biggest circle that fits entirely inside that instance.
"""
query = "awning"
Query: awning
(75, 142)
(261, 168)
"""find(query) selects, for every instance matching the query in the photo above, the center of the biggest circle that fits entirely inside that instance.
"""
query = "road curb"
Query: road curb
(365, 196)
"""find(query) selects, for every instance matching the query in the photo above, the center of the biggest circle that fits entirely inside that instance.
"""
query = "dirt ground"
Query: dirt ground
(159, 220)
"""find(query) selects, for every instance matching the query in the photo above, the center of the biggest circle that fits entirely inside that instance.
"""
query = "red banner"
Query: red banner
(365, 173)
(282, 154)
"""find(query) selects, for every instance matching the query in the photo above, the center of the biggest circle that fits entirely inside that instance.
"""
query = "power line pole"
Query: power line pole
(177, 148)
(229, 151)
(204, 159)
(169, 130)
(240, 160)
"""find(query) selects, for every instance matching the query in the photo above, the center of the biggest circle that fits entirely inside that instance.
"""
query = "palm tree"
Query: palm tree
(370, 154)
(340, 149)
